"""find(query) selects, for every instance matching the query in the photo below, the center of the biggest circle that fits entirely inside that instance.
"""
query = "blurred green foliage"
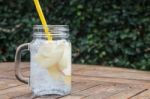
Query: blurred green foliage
(108, 32)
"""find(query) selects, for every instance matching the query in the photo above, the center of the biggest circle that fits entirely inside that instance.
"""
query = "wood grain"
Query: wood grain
(126, 94)
(89, 82)
(143, 95)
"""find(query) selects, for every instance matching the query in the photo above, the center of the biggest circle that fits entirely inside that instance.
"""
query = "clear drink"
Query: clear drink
(51, 67)
(50, 62)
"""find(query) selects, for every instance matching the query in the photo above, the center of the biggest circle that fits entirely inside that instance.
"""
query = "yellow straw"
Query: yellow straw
(42, 18)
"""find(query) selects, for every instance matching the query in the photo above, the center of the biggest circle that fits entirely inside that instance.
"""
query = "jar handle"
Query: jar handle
(18, 74)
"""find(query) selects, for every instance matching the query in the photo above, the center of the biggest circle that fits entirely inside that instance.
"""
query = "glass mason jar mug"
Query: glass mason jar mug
(50, 61)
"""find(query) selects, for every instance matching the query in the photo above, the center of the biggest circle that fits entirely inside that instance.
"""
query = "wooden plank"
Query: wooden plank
(114, 80)
(7, 75)
(11, 74)
(103, 91)
(126, 93)
(4, 97)
(95, 90)
(107, 68)
(8, 80)
(15, 91)
(8, 83)
(80, 86)
(98, 72)
(9, 66)
(107, 92)
(143, 95)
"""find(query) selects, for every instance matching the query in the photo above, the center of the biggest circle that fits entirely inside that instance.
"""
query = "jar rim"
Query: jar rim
(54, 30)
(52, 34)
(59, 26)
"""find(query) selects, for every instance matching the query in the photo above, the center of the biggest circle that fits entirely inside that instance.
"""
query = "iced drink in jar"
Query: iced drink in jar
(50, 61)
(51, 67)
(51, 64)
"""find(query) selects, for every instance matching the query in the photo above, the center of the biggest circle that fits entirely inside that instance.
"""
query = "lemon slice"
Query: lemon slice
(54, 72)
(49, 54)
(65, 61)
(55, 57)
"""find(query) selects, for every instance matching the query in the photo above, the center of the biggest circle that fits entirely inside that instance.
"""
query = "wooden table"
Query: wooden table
(89, 82)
